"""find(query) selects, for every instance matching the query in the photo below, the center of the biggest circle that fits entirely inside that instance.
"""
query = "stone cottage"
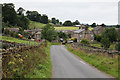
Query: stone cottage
(98, 30)
(13, 29)
(83, 33)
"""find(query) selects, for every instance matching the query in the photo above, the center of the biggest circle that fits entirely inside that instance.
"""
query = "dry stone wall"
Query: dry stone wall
(95, 50)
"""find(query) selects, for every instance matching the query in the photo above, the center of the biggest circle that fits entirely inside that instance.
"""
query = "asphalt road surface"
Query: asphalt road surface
(67, 65)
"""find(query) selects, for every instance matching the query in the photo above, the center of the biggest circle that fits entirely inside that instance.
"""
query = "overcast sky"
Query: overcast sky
(86, 11)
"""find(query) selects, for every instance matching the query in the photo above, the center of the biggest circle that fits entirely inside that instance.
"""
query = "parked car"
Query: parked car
(69, 41)
(61, 39)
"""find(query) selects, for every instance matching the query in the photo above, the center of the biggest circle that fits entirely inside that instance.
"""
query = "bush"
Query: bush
(98, 37)
(16, 35)
(12, 34)
(117, 46)
(85, 41)
(74, 39)
(105, 42)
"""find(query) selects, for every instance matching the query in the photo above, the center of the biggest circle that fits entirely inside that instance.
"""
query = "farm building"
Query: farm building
(83, 33)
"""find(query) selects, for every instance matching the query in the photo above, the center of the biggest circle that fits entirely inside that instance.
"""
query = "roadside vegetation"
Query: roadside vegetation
(34, 63)
(103, 63)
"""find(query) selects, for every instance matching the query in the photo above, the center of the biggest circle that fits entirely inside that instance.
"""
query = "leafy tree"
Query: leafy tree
(111, 34)
(57, 21)
(60, 23)
(93, 25)
(67, 23)
(103, 25)
(118, 34)
(20, 11)
(23, 22)
(62, 35)
(44, 19)
(9, 14)
(118, 26)
(48, 33)
(105, 42)
(117, 46)
(34, 16)
(98, 37)
(85, 41)
(76, 22)
(53, 20)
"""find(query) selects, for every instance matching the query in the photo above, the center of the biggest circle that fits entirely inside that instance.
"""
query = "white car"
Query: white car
(69, 41)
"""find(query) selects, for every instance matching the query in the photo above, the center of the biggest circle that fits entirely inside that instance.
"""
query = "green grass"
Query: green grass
(45, 69)
(66, 28)
(11, 39)
(37, 25)
(105, 64)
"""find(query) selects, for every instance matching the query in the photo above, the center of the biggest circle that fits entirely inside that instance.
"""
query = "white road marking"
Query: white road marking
(82, 62)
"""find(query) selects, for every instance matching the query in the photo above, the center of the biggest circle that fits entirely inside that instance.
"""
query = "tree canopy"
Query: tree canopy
(68, 23)
(48, 33)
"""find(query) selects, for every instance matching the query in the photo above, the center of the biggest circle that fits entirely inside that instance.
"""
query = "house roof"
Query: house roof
(33, 30)
(78, 31)
(97, 28)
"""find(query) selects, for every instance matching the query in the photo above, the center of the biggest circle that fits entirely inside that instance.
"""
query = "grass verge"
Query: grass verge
(34, 63)
(103, 63)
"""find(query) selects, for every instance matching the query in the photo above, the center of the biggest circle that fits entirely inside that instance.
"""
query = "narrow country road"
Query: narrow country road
(67, 65)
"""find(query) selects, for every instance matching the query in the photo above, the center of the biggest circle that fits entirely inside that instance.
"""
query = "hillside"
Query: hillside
(34, 24)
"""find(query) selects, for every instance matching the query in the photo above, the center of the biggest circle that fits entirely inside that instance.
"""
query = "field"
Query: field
(11, 39)
(66, 28)
(37, 25)
(103, 63)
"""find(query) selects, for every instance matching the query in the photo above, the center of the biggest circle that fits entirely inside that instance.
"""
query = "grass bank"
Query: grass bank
(11, 39)
(103, 63)
(34, 63)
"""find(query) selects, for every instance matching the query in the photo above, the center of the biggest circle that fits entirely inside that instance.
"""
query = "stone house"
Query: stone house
(83, 33)
(98, 30)
(35, 32)
(13, 29)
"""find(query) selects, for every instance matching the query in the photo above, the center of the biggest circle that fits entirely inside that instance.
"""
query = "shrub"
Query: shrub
(117, 46)
(74, 39)
(85, 41)
(105, 42)
(16, 35)
(98, 37)
(12, 34)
